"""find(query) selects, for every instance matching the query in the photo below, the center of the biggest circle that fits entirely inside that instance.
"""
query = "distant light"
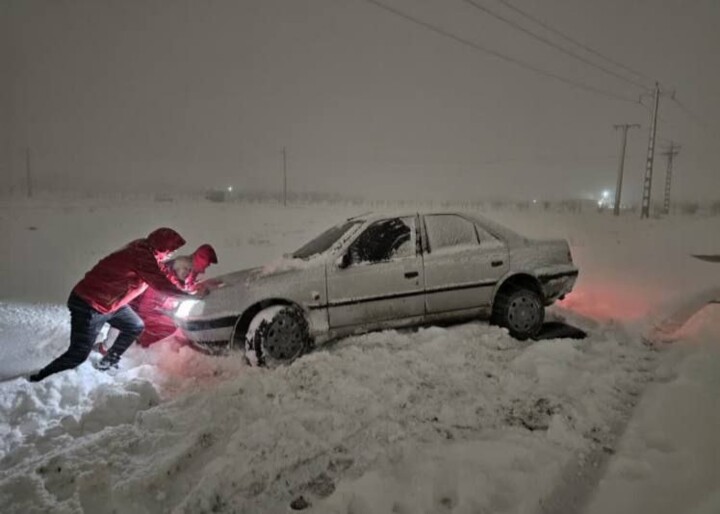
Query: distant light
(600, 203)
(230, 189)
(534, 201)
(606, 193)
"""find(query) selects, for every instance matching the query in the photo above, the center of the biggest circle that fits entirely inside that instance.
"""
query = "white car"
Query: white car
(380, 271)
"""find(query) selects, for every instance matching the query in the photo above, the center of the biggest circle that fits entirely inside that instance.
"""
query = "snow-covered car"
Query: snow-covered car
(383, 271)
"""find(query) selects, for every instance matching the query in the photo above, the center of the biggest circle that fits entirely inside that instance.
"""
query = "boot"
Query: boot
(109, 361)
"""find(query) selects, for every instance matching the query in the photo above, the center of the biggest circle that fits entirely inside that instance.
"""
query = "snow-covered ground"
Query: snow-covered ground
(668, 461)
(456, 419)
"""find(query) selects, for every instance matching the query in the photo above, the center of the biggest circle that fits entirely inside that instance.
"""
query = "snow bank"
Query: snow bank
(668, 460)
(85, 400)
(371, 409)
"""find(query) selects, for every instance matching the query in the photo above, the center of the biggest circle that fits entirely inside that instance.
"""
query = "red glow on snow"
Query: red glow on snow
(177, 362)
(606, 302)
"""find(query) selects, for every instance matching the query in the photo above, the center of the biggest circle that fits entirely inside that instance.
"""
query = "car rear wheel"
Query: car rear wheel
(277, 335)
(519, 310)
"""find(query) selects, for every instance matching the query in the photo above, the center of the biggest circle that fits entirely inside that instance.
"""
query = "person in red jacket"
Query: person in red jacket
(154, 307)
(103, 295)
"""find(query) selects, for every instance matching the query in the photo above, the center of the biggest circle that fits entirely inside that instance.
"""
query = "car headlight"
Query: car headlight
(187, 307)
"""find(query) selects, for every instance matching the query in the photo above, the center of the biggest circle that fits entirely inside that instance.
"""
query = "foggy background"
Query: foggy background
(171, 96)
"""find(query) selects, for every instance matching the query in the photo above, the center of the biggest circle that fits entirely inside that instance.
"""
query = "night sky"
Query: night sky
(185, 95)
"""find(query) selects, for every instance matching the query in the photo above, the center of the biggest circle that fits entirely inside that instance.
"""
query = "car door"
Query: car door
(380, 278)
(462, 262)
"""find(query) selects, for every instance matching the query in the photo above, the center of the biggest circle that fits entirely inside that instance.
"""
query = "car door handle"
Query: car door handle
(411, 274)
(495, 264)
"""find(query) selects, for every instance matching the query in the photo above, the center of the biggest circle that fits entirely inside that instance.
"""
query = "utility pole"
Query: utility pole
(284, 154)
(621, 165)
(671, 152)
(28, 173)
(647, 181)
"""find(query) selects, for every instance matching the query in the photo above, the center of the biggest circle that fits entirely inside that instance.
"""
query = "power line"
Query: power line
(552, 44)
(690, 114)
(494, 53)
(660, 118)
(564, 36)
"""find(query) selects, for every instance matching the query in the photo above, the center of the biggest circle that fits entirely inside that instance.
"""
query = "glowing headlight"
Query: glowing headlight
(183, 311)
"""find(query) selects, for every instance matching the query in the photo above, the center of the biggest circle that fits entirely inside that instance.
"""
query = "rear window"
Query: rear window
(448, 230)
(324, 241)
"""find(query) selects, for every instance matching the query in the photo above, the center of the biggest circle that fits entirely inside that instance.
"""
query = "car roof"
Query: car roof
(392, 213)
(491, 226)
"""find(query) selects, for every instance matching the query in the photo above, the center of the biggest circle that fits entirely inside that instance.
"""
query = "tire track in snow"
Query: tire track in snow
(584, 472)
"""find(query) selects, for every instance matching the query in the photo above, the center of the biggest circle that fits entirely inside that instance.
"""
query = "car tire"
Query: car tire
(519, 310)
(277, 335)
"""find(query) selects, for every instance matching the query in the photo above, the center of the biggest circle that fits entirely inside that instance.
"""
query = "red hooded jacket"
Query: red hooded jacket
(154, 307)
(126, 273)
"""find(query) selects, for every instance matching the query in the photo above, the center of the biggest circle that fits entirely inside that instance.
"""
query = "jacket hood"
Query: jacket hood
(165, 240)
(203, 257)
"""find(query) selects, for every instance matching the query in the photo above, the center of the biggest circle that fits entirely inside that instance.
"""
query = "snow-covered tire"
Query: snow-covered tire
(277, 335)
(519, 310)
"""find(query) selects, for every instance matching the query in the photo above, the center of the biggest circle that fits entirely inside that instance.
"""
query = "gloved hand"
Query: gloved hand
(201, 291)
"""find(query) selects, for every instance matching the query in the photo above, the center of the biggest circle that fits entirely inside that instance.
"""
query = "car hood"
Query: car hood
(285, 267)
(238, 277)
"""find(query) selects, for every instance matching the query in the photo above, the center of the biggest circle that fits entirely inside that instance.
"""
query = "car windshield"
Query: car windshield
(324, 241)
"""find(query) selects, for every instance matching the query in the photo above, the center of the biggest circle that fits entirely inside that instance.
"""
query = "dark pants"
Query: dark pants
(85, 325)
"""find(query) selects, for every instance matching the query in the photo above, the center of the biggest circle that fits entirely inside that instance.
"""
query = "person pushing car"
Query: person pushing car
(103, 295)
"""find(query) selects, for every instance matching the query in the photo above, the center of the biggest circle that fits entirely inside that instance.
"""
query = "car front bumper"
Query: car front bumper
(208, 334)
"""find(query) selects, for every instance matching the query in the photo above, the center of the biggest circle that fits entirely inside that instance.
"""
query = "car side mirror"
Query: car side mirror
(343, 261)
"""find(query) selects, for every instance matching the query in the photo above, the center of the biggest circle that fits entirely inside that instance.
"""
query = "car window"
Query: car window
(449, 230)
(385, 240)
(484, 235)
(324, 241)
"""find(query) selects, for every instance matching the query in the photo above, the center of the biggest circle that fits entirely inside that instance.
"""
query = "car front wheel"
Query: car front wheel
(521, 311)
(276, 335)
